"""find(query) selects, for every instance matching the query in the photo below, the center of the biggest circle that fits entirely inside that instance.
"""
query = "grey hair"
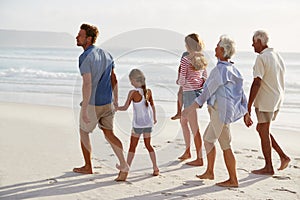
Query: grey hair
(262, 35)
(228, 45)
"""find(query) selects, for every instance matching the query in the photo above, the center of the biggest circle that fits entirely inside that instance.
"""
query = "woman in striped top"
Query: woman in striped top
(192, 76)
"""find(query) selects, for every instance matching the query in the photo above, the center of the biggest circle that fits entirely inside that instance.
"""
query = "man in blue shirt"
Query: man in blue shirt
(99, 82)
(223, 92)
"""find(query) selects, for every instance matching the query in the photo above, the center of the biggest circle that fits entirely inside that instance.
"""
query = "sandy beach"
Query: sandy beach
(39, 146)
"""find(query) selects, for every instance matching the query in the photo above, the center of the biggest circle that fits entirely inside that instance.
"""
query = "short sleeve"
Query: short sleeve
(258, 69)
(85, 66)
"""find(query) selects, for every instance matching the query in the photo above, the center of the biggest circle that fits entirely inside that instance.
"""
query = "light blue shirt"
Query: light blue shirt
(99, 64)
(225, 86)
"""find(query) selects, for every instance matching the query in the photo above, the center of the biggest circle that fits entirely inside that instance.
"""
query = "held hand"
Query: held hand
(247, 120)
(116, 106)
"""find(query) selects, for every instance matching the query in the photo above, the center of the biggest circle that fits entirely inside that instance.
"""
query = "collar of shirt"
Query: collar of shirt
(85, 53)
(266, 50)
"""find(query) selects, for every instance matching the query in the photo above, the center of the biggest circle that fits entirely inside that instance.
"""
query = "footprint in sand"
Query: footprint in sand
(156, 146)
(282, 177)
(260, 158)
(241, 169)
(284, 190)
(238, 152)
(51, 180)
(245, 149)
(167, 193)
(296, 167)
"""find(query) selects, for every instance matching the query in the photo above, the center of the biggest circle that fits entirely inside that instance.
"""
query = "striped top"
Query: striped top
(189, 78)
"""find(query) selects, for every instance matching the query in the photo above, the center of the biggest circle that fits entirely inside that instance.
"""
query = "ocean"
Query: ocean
(50, 76)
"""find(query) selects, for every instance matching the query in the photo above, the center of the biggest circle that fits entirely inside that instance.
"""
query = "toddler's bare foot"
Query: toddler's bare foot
(177, 116)
(284, 163)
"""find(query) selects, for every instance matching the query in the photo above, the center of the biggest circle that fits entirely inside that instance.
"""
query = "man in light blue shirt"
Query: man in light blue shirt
(99, 84)
(223, 92)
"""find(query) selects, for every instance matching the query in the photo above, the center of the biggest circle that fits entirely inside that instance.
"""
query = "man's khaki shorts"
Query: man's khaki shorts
(217, 130)
(264, 117)
(101, 115)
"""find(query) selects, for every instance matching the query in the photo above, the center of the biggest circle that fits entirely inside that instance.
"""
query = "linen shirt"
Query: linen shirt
(99, 64)
(224, 85)
(270, 68)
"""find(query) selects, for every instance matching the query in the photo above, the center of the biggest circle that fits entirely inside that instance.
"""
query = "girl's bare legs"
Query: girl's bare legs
(187, 139)
(147, 142)
(193, 121)
(133, 144)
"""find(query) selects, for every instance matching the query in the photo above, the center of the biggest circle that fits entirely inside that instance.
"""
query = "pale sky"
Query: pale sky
(208, 18)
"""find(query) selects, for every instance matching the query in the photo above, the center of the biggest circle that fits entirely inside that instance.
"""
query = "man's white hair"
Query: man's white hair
(228, 45)
(262, 35)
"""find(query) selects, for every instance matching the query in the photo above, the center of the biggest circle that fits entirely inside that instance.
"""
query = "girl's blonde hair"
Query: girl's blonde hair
(139, 76)
(196, 45)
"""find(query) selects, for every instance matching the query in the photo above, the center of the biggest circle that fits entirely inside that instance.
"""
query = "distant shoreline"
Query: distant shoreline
(15, 38)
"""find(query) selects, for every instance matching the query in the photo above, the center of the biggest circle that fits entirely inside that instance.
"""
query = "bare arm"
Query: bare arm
(86, 94)
(253, 92)
(128, 101)
(114, 84)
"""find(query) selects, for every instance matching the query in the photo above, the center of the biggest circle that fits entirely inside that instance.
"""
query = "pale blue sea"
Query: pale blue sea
(50, 76)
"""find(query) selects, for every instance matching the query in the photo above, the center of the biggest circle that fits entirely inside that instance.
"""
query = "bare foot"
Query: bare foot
(228, 183)
(177, 116)
(155, 172)
(263, 171)
(206, 175)
(123, 169)
(284, 163)
(122, 176)
(197, 162)
(185, 156)
(83, 170)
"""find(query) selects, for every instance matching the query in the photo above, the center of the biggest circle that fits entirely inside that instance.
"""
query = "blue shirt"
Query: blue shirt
(99, 64)
(225, 86)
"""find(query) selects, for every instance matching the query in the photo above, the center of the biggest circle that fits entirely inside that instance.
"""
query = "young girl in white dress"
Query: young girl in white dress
(144, 116)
